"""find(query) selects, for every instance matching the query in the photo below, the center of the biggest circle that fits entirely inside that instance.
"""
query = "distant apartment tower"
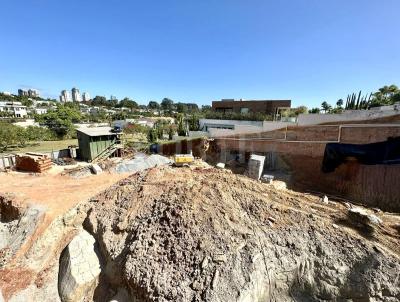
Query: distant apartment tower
(65, 96)
(33, 93)
(85, 97)
(113, 98)
(22, 92)
(29, 92)
(76, 96)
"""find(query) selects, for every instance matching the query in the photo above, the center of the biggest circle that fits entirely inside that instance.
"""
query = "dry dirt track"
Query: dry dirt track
(57, 193)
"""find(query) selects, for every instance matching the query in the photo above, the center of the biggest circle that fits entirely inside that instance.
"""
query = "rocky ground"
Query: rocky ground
(203, 234)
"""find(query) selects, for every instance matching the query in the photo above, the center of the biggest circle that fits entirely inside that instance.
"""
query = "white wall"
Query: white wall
(349, 115)
(233, 123)
(244, 127)
(28, 122)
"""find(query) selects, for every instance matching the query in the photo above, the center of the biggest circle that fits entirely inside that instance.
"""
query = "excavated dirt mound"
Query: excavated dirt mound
(180, 234)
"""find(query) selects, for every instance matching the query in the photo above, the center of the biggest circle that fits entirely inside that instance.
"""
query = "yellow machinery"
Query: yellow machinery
(183, 159)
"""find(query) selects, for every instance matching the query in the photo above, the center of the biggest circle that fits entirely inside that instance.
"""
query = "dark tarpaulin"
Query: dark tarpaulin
(386, 153)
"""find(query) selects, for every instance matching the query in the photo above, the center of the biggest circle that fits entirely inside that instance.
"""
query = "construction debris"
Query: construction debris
(361, 216)
(64, 161)
(220, 166)
(142, 162)
(256, 166)
(325, 199)
(95, 168)
(267, 179)
(33, 162)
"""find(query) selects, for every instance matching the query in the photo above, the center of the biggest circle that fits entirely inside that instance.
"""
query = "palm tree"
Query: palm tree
(339, 103)
(325, 106)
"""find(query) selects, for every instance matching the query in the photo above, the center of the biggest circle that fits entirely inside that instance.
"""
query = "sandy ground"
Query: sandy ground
(56, 192)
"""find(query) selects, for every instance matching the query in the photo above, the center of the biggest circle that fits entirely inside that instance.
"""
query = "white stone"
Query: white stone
(96, 169)
(220, 166)
(79, 268)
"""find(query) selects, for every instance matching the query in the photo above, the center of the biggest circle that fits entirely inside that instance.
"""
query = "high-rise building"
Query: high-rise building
(33, 93)
(76, 96)
(85, 96)
(22, 92)
(65, 96)
(113, 98)
(29, 92)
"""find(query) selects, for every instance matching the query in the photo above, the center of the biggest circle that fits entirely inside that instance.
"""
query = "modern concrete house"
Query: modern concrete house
(271, 107)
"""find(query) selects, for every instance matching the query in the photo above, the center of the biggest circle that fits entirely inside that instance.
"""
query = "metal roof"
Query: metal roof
(96, 131)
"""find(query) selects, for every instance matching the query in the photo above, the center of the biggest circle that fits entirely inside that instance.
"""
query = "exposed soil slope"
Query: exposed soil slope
(179, 234)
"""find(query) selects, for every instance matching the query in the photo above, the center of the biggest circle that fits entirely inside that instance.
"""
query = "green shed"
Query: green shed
(97, 143)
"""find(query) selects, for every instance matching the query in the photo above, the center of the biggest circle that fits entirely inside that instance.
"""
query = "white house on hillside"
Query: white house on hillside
(15, 108)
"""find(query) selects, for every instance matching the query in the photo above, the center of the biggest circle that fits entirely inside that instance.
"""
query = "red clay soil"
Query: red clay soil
(57, 193)
(14, 280)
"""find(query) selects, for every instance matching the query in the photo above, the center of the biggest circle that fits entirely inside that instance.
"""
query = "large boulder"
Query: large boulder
(79, 268)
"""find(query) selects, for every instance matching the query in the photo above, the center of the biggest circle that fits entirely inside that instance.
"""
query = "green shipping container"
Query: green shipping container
(93, 141)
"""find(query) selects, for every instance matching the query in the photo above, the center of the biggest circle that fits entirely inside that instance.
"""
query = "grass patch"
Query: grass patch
(43, 146)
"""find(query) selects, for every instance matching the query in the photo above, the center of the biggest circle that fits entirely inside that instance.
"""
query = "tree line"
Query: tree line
(386, 95)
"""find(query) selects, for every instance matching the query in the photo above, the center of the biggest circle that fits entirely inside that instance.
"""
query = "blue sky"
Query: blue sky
(198, 51)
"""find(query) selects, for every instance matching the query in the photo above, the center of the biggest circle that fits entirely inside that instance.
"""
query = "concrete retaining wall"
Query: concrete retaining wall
(377, 186)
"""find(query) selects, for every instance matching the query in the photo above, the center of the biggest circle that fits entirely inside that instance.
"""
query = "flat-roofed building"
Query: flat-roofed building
(270, 107)
(14, 108)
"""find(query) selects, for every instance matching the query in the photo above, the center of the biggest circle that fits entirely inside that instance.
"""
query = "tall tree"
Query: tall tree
(128, 103)
(325, 106)
(153, 105)
(181, 108)
(167, 105)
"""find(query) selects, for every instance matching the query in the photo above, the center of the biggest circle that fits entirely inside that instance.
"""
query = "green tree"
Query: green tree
(325, 106)
(182, 108)
(128, 103)
(21, 136)
(8, 135)
(314, 110)
(386, 95)
(206, 108)
(152, 135)
(171, 131)
(167, 105)
(194, 124)
(339, 103)
(153, 105)
(61, 120)
(181, 124)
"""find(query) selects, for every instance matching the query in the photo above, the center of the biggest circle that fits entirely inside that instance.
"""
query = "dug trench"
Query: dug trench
(207, 235)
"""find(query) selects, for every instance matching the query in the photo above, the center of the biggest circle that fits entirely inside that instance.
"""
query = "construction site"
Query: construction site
(300, 213)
